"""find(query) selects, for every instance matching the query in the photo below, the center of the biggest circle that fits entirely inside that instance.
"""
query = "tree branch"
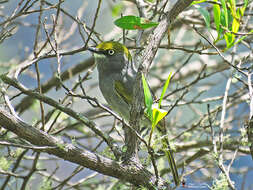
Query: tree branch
(159, 32)
(64, 109)
(26, 102)
(132, 173)
(148, 55)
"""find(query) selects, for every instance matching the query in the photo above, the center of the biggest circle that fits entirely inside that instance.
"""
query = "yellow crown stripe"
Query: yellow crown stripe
(116, 46)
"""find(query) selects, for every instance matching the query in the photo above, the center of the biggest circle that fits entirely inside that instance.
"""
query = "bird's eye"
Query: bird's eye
(111, 51)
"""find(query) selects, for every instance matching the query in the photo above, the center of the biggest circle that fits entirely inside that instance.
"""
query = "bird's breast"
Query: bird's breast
(116, 103)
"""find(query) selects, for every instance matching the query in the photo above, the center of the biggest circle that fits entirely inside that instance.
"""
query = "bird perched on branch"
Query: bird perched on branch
(117, 74)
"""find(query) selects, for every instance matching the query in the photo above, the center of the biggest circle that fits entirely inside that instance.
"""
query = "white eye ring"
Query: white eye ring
(111, 51)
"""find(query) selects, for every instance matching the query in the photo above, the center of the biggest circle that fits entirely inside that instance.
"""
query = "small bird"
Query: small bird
(117, 74)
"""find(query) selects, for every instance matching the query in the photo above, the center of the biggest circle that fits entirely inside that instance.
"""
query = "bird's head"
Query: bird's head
(111, 56)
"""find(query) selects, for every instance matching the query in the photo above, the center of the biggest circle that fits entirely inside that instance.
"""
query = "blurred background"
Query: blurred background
(200, 78)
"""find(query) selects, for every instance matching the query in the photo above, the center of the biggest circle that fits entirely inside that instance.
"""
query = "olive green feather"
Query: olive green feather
(121, 90)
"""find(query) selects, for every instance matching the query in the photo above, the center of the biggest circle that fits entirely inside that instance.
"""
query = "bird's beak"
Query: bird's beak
(94, 50)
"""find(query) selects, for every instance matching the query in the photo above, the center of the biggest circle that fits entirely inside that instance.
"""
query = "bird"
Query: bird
(116, 76)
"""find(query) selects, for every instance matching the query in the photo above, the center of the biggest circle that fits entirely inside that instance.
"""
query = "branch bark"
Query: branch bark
(132, 173)
(148, 55)
(156, 37)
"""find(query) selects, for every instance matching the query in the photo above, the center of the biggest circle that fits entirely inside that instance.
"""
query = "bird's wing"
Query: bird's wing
(122, 92)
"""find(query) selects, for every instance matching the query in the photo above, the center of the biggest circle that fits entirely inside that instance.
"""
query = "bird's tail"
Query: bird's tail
(169, 154)
(168, 151)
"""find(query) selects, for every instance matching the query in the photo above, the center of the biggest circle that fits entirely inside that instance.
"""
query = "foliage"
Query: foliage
(155, 113)
(131, 22)
(147, 97)
(52, 90)
(227, 19)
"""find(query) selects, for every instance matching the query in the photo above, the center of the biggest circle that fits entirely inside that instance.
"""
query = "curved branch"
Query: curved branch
(159, 32)
(132, 172)
(64, 109)
(148, 55)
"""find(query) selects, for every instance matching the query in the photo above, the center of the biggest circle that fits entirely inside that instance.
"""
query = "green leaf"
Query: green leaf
(226, 18)
(164, 89)
(217, 18)
(232, 4)
(224, 6)
(131, 22)
(235, 28)
(240, 11)
(148, 97)
(158, 115)
(198, 2)
(235, 25)
(236, 17)
(222, 18)
(206, 16)
(229, 40)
